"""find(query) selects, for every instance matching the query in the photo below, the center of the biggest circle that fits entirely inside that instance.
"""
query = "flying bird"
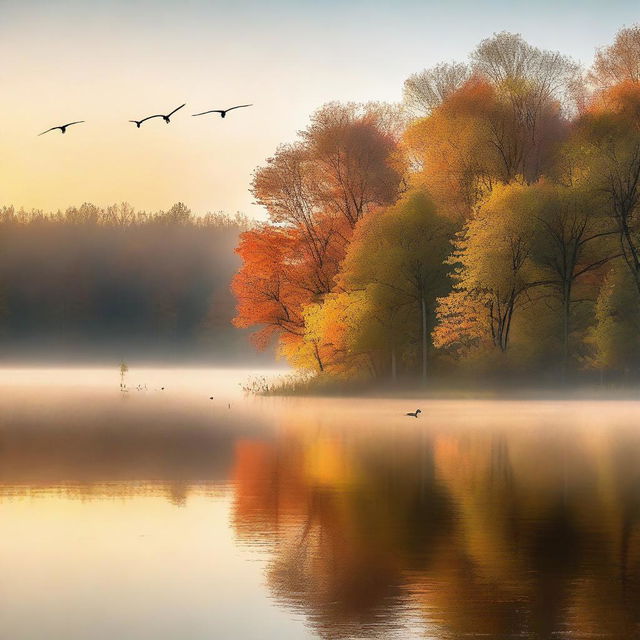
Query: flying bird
(158, 115)
(223, 112)
(139, 122)
(62, 127)
(166, 118)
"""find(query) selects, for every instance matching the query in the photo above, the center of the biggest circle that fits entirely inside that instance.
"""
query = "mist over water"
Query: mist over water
(164, 514)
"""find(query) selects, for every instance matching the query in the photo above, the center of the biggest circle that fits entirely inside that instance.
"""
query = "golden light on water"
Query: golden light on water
(166, 513)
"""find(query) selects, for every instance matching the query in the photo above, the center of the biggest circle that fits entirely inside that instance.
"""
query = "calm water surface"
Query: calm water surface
(165, 515)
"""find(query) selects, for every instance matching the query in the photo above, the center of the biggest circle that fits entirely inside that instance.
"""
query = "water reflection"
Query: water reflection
(496, 520)
(99, 446)
(524, 528)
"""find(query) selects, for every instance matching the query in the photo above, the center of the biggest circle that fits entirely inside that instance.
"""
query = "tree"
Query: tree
(493, 272)
(315, 191)
(534, 86)
(348, 329)
(449, 150)
(352, 150)
(268, 291)
(608, 136)
(501, 124)
(427, 90)
(341, 167)
(399, 253)
(619, 62)
(463, 322)
(614, 337)
(478, 138)
(529, 76)
(571, 239)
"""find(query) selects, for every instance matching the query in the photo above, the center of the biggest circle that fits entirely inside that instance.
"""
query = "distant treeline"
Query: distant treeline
(114, 283)
(490, 226)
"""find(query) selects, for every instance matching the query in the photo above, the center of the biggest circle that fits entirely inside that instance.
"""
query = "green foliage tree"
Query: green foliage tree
(572, 237)
(615, 337)
(493, 269)
(397, 257)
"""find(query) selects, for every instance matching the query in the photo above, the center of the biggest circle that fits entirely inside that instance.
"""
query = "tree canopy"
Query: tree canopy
(494, 221)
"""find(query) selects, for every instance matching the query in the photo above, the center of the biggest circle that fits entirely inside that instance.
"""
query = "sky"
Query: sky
(107, 62)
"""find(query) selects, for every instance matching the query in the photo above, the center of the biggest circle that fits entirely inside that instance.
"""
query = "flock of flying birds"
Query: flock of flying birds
(138, 123)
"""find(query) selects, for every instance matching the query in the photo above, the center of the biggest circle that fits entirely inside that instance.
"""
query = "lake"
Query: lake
(162, 514)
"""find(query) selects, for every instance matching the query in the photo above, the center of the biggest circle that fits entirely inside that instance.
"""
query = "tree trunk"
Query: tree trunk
(316, 353)
(423, 309)
(566, 308)
(394, 365)
(394, 371)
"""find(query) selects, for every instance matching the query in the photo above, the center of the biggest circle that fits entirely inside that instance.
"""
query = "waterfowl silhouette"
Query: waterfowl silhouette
(413, 414)
(158, 115)
(166, 118)
(139, 122)
(223, 112)
(62, 127)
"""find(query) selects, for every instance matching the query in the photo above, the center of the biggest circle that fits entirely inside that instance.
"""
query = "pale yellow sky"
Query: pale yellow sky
(110, 61)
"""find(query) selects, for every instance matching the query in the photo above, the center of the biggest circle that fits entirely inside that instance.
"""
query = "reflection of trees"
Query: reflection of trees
(333, 525)
(494, 532)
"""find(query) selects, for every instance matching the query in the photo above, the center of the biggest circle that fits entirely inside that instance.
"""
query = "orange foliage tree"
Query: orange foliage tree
(502, 124)
(315, 191)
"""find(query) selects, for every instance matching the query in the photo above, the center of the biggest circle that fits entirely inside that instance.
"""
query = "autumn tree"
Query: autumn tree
(397, 256)
(620, 61)
(608, 137)
(502, 124)
(315, 191)
(425, 91)
(493, 272)
(267, 293)
(514, 177)
(614, 336)
(535, 88)
(571, 239)
(449, 153)
(529, 78)
(351, 329)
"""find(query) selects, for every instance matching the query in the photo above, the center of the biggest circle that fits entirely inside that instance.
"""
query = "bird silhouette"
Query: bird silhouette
(62, 127)
(223, 112)
(413, 414)
(158, 115)
(166, 118)
(139, 122)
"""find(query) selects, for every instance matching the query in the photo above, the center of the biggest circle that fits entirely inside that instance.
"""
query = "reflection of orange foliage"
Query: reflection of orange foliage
(485, 531)
(260, 473)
